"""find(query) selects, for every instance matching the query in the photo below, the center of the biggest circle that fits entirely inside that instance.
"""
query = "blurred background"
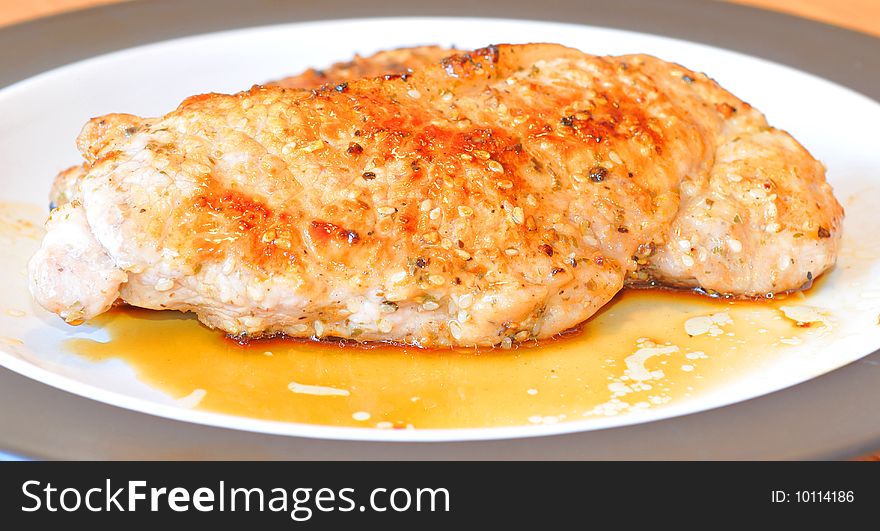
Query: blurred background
(862, 15)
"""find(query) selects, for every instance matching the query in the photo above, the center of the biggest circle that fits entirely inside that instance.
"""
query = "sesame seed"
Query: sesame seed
(772, 228)
(414, 94)
(521, 336)
(615, 158)
(435, 214)
(315, 145)
(466, 300)
(386, 210)
(319, 328)
(510, 251)
(299, 328)
(463, 316)
(506, 343)
(466, 156)
(426, 205)
(446, 95)
(505, 184)
(495, 166)
(437, 280)
(397, 277)
(430, 306)
(395, 297)
(464, 255)
(431, 237)
(465, 211)
(735, 245)
(164, 284)
(531, 201)
(687, 260)
(518, 215)
(482, 155)
(684, 245)
(455, 330)
(385, 326)
(288, 148)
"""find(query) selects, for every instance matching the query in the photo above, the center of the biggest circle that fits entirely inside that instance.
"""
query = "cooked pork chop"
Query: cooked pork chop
(495, 197)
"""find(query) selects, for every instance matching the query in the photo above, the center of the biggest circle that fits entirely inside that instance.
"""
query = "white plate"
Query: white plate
(42, 115)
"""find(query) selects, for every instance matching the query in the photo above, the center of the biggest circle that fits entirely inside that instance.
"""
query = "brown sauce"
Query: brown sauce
(633, 355)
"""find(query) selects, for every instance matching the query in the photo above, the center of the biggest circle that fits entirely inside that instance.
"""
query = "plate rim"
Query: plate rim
(850, 73)
(772, 35)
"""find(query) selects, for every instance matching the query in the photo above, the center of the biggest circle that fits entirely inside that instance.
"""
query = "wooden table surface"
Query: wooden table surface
(862, 15)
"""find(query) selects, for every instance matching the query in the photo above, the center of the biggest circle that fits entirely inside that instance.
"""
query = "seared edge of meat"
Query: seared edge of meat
(384, 63)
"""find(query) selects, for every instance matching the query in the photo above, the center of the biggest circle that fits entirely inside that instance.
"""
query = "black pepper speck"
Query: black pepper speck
(598, 173)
